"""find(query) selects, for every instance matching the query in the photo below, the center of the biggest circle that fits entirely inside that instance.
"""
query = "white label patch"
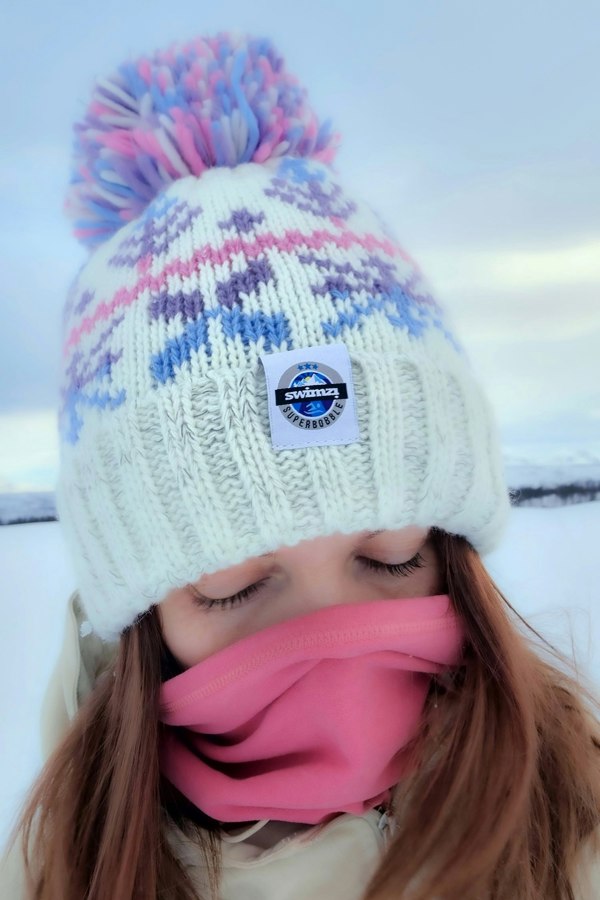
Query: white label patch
(311, 397)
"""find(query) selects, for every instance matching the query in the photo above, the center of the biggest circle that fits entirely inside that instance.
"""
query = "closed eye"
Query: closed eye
(404, 568)
(400, 569)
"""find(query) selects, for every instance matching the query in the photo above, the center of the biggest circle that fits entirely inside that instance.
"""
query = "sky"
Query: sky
(472, 127)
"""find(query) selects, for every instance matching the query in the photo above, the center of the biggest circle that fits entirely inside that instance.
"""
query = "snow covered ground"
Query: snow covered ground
(547, 566)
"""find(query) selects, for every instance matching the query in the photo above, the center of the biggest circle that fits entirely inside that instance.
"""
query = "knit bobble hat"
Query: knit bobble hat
(250, 358)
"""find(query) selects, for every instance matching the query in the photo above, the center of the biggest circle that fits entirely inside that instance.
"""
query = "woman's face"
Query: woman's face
(201, 618)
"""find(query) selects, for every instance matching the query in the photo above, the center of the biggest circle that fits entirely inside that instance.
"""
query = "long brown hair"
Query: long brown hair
(504, 788)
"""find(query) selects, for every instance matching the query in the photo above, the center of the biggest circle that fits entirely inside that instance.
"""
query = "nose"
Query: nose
(323, 581)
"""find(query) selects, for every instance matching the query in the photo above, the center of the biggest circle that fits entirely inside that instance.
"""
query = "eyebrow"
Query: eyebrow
(367, 537)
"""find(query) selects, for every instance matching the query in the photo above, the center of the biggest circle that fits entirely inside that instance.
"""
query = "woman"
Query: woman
(286, 672)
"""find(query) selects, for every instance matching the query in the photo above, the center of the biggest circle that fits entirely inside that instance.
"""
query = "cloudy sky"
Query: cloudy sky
(472, 126)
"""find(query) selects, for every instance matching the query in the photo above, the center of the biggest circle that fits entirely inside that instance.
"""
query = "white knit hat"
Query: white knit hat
(250, 357)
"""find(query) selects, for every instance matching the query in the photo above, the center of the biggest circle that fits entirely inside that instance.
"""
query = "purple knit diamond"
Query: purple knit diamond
(310, 196)
(371, 274)
(242, 220)
(162, 222)
(258, 271)
(189, 306)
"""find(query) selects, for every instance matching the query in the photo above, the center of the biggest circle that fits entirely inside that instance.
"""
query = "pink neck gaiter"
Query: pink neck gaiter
(309, 717)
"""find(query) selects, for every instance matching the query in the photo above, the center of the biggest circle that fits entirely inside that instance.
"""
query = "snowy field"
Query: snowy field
(548, 567)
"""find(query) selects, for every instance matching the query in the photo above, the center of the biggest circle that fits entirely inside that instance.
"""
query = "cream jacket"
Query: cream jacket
(268, 860)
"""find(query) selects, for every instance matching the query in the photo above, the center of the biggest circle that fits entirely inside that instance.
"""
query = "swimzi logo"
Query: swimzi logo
(311, 395)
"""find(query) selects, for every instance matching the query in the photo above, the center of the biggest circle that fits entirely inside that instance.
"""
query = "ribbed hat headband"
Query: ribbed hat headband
(250, 358)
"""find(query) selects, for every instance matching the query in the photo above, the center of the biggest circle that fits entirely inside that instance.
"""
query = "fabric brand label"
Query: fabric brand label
(311, 397)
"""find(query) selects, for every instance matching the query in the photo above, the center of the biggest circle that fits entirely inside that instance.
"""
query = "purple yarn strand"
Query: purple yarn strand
(229, 91)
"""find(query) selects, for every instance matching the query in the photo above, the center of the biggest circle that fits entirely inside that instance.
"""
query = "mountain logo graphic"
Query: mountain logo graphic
(311, 395)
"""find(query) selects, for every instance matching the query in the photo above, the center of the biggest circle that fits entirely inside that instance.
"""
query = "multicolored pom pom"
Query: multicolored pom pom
(217, 101)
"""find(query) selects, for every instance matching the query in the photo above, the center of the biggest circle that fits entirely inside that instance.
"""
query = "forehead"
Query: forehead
(407, 534)
(400, 540)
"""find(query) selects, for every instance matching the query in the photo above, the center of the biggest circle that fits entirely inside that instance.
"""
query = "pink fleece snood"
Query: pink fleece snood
(309, 717)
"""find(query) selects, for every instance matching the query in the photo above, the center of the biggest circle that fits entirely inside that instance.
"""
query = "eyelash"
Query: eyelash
(398, 569)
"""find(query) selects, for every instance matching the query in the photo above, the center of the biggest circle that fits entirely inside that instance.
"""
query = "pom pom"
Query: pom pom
(215, 101)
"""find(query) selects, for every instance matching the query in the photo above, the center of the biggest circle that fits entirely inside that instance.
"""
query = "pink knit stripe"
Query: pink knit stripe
(288, 242)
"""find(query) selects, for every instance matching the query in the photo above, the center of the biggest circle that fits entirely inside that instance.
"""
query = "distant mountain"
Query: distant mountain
(37, 506)
(542, 475)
